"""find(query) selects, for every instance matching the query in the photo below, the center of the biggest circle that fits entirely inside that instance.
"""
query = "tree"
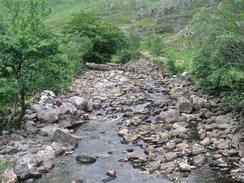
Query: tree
(30, 58)
(106, 39)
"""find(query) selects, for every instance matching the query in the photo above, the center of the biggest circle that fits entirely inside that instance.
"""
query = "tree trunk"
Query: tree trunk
(23, 105)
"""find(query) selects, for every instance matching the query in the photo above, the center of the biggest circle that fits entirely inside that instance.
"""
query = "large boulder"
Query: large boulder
(79, 102)
(48, 116)
(65, 138)
(69, 121)
(184, 105)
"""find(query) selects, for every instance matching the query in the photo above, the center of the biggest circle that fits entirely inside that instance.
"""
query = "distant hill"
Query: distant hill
(145, 16)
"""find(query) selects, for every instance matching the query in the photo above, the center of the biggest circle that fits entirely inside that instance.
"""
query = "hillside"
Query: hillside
(161, 16)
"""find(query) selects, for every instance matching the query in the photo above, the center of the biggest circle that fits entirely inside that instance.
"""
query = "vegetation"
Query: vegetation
(218, 60)
(33, 57)
(4, 165)
(101, 39)
(30, 57)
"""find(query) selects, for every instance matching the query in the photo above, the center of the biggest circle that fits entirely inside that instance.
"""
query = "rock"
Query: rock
(199, 160)
(184, 105)
(67, 108)
(198, 149)
(153, 166)
(108, 179)
(49, 130)
(65, 138)
(9, 176)
(182, 146)
(79, 103)
(136, 156)
(169, 116)
(170, 156)
(111, 173)
(222, 144)
(48, 116)
(198, 102)
(123, 132)
(46, 167)
(85, 159)
(69, 121)
(58, 148)
(202, 133)
(206, 141)
(168, 167)
(184, 167)
(30, 127)
(46, 95)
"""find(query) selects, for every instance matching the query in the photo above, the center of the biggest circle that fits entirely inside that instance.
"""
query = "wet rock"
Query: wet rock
(184, 105)
(184, 167)
(136, 156)
(9, 176)
(48, 116)
(65, 138)
(85, 159)
(111, 173)
(79, 102)
(108, 179)
(199, 160)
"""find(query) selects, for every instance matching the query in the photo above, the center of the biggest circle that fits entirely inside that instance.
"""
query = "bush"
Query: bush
(128, 55)
(105, 39)
(218, 63)
(154, 44)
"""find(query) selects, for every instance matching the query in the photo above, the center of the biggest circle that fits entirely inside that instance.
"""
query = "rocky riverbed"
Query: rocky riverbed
(126, 123)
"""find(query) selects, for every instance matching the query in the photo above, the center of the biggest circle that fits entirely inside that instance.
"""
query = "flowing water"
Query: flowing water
(99, 138)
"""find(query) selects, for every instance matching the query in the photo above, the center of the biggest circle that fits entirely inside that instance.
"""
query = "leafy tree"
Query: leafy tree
(30, 60)
(106, 39)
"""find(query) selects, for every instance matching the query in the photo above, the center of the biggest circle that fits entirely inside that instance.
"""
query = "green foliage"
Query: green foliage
(26, 16)
(105, 39)
(218, 63)
(30, 59)
(128, 55)
(154, 44)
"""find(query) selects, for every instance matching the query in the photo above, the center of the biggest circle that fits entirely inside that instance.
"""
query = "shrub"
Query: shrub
(154, 44)
(218, 63)
(105, 38)
(128, 55)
